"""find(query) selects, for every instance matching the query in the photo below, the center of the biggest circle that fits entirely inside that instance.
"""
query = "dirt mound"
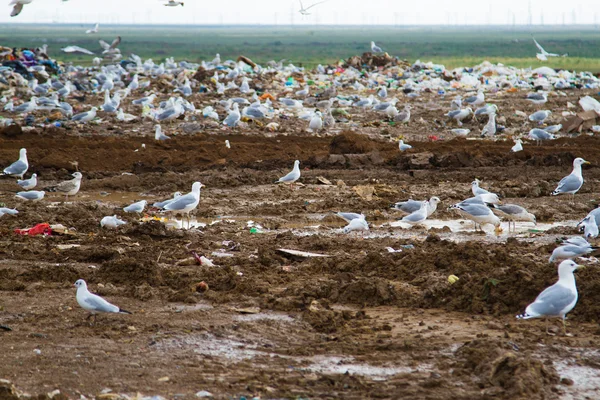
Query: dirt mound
(130, 271)
(349, 142)
(504, 373)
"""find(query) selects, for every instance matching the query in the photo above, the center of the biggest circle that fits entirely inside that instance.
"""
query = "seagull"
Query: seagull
(375, 48)
(487, 110)
(540, 116)
(347, 216)
(94, 303)
(476, 100)
(93, 30)
(543, 55)
(27, 107)
(404, 115)
(304, 11)
(28, 184)
(558, 299)
(553, 128)
(357, 224)
(186, 203)
(292, 177)
(571, 249)
(418, 216)
(33, 195)
(403, 147)
(459, 115)
(174, 3)
(485, 195)
(572, 182)
(110, 48)
(480, 214)
(18, 6)
(410, 206)
(76, 49)
(589, 226)
(161, 204)
(9, 211)
(158, 135)
(19, 167)
(518, 146)
(490, 128)
(234, 116)
(461, 132)
(512, 213)
(137, 207)
(85, 116)
(539, 134)
(69, 188)
(316, 123)
(112, 222)
(537, 98)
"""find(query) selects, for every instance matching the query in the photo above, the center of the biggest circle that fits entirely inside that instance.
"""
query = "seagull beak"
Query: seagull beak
(587, 162)
(579, 266)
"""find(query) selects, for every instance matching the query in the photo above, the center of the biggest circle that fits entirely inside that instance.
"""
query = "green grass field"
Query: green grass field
(306, 45)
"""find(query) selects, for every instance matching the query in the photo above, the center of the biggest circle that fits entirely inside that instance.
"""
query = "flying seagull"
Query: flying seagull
(304, 11)
(94, 29)
(174, 3)
(18, 6)
(543, 55)
(76, 49)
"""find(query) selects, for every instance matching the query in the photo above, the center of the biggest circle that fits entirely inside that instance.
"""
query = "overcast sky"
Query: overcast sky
(269, 12)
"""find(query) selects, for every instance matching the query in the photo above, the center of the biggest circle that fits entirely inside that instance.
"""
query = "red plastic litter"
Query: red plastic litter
(433, 138)
(39, 229)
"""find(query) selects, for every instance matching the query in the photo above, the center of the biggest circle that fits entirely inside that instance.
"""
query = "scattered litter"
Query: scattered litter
(39, 229)
(392, 250)
(453, 279)
(247, 310)
(301, 254)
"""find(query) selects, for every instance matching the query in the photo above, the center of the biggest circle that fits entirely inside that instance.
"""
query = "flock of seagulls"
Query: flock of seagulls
(130, 84)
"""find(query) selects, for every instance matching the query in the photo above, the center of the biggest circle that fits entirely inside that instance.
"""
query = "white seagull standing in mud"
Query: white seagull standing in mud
(19, 167)
(69, 188)
(357, 224)
(572, 182)
(292, 177)
(557, 300)
(93, 303)
(186, 203)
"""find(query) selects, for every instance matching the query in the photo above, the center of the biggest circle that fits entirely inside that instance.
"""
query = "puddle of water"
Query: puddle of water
(264, 317)
(462, 225)
(340, 365)
(209, 345)
(586, 380)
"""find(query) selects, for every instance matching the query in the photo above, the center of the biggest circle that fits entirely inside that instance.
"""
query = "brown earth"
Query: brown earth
(275, 326)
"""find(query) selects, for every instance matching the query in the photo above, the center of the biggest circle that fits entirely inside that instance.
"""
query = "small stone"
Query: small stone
(567, 381)
(204, 394)
(164, 379)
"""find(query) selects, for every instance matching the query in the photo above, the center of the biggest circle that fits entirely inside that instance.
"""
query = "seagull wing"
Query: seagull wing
(16, 10)
(539, 47)
(312, 5)
(104, 45)
(115, 42)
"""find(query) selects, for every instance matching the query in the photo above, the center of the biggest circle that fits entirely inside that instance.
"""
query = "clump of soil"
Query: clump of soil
(131, 271)
(349, 142)
(502, 372)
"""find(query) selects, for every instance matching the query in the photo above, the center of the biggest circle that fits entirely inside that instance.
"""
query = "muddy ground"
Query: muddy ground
(361, 323)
